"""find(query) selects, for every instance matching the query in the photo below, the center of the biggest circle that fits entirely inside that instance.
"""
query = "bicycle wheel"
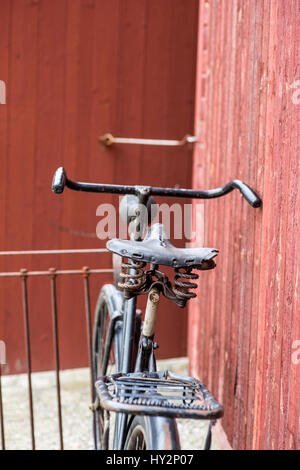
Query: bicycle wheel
(152, 433)
(109, 302)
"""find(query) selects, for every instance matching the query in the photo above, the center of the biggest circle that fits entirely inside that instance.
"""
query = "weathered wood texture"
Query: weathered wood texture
(245, 321)
(75, 69)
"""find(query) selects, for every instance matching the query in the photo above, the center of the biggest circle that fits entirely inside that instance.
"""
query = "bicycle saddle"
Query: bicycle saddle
(156, 248)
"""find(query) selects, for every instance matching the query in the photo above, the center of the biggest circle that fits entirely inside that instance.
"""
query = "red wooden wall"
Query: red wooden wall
(75, 69)
(244, 323)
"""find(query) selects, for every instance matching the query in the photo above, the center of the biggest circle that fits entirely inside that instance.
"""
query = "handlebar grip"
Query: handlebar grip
(59, 180)
(248, 193)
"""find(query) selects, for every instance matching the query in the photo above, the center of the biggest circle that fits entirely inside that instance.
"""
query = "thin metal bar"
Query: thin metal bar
(58, 272)
(23, 273)
(52, 252)
(1, 414)
(52, 272)
(86, 273)
(207, 444)
(127, 366)
(108, 139)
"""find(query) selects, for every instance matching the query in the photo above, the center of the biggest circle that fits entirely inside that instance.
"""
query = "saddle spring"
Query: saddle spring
(182, 287)
(132, 281)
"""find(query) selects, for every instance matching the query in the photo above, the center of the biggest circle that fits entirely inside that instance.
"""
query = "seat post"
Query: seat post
(151, 311)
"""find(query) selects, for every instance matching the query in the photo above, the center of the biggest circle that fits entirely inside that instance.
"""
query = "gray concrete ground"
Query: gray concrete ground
(75, 409)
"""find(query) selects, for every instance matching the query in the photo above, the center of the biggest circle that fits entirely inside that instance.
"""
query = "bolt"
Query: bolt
(85, 271)
(154, 296)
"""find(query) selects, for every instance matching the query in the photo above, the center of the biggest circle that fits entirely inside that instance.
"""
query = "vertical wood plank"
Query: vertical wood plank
(76, 69)
(250, 312)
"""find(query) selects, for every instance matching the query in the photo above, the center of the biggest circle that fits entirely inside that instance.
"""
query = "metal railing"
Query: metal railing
(53, 274)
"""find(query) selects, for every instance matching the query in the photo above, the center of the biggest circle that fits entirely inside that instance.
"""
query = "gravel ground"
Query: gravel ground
(75, 397)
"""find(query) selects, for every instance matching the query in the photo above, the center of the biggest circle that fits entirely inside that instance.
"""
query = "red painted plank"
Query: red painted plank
(250, 311)
(4, 76)
(76, 69)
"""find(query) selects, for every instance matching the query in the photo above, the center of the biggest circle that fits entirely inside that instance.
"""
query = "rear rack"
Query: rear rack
(157, 394)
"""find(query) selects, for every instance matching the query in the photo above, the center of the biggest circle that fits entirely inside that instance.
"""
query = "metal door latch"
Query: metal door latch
(108, 139)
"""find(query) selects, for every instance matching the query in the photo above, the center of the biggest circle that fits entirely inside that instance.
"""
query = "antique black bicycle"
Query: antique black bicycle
(146, 402)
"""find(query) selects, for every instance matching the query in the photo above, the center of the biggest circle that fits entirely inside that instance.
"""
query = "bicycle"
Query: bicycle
(146, 401)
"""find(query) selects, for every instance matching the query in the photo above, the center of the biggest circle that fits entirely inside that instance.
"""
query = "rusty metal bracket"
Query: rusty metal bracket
(95, 405)
(108, 140)
(155, 279)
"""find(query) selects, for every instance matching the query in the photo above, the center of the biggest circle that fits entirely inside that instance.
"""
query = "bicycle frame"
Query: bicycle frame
(145, 359)
(125, 336)
(130, 363)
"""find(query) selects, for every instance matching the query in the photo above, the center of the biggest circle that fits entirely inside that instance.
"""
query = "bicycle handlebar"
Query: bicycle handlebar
(60, 180)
